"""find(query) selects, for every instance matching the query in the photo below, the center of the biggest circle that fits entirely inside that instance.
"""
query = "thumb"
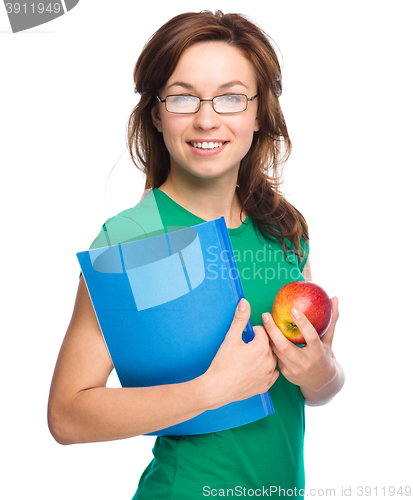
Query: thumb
(241, 317)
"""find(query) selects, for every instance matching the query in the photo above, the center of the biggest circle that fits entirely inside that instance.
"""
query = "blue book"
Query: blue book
(164, 305)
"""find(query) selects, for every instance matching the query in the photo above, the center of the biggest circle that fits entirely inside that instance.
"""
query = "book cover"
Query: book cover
(164, 305)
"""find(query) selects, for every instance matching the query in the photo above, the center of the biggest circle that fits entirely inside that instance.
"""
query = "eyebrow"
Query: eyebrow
(224, 86)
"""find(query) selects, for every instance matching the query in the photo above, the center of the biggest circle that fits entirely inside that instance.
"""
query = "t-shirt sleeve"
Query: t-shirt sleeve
(118, 229)
(121, 228)
(142, 221)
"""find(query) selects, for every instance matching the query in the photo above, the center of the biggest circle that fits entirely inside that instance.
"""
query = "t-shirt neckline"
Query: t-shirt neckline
(198, 220)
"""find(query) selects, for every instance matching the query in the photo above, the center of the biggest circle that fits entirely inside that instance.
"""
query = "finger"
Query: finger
(240, 320)
(282, 347)
(275, 375)
(260, 335)
(275, 359)
(327, 338)
(307, 330)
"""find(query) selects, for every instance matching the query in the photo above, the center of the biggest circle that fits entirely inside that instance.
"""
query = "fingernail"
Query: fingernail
(265, 318)
(295, 313)
(242, 306)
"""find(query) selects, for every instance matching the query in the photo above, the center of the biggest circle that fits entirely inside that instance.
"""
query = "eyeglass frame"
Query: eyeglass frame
(248, 99)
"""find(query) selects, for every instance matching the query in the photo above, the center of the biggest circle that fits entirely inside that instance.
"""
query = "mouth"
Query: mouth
(207, 145)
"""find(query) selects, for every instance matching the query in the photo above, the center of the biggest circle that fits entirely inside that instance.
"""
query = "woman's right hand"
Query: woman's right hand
(83, 410)
(241, 370)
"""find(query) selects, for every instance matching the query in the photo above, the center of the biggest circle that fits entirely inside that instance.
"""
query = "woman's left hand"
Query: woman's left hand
(312, 367)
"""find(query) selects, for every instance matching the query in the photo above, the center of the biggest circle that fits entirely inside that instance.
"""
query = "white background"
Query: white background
(66, 94)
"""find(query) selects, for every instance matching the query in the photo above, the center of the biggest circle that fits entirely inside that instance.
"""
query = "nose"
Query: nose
(206, 118)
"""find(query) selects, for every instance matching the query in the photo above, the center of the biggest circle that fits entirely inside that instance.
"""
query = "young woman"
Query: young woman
(211, 137)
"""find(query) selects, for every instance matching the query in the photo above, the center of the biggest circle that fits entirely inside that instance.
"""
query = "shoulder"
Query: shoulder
(135, 223)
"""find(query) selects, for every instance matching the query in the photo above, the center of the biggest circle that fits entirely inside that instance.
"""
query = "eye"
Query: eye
(231, 99)
(182, 99)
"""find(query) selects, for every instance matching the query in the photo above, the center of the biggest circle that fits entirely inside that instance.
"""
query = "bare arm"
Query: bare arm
(332, 384)
(307, 271)
(82, 409)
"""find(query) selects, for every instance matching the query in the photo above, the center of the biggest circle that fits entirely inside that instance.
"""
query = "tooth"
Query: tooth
(207, 145)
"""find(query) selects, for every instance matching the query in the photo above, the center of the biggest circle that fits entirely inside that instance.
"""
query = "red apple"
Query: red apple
(310, 299)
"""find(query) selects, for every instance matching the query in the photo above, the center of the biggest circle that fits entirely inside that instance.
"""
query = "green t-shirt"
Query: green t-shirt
(263, 458)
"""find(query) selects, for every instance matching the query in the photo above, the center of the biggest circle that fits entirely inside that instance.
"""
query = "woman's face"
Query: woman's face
(206, 70)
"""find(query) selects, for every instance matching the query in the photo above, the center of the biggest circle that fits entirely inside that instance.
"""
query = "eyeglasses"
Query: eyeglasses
(222, 104)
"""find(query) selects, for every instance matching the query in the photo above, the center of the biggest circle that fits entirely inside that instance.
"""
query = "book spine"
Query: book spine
(248, 333)
(222, 230)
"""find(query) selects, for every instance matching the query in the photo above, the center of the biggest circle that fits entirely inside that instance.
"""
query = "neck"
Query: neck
(207, 200)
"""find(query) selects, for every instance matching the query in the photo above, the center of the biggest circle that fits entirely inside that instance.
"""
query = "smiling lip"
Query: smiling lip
(207, 148)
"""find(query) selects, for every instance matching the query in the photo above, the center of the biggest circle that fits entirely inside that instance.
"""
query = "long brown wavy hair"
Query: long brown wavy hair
(260, 173)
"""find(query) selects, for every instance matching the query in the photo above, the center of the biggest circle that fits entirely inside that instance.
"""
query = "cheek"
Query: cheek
(245, 133)
(246, 124)
(167, 127)
(170, 135)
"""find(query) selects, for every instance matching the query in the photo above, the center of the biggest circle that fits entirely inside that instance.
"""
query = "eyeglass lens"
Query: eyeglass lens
(229, 103)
